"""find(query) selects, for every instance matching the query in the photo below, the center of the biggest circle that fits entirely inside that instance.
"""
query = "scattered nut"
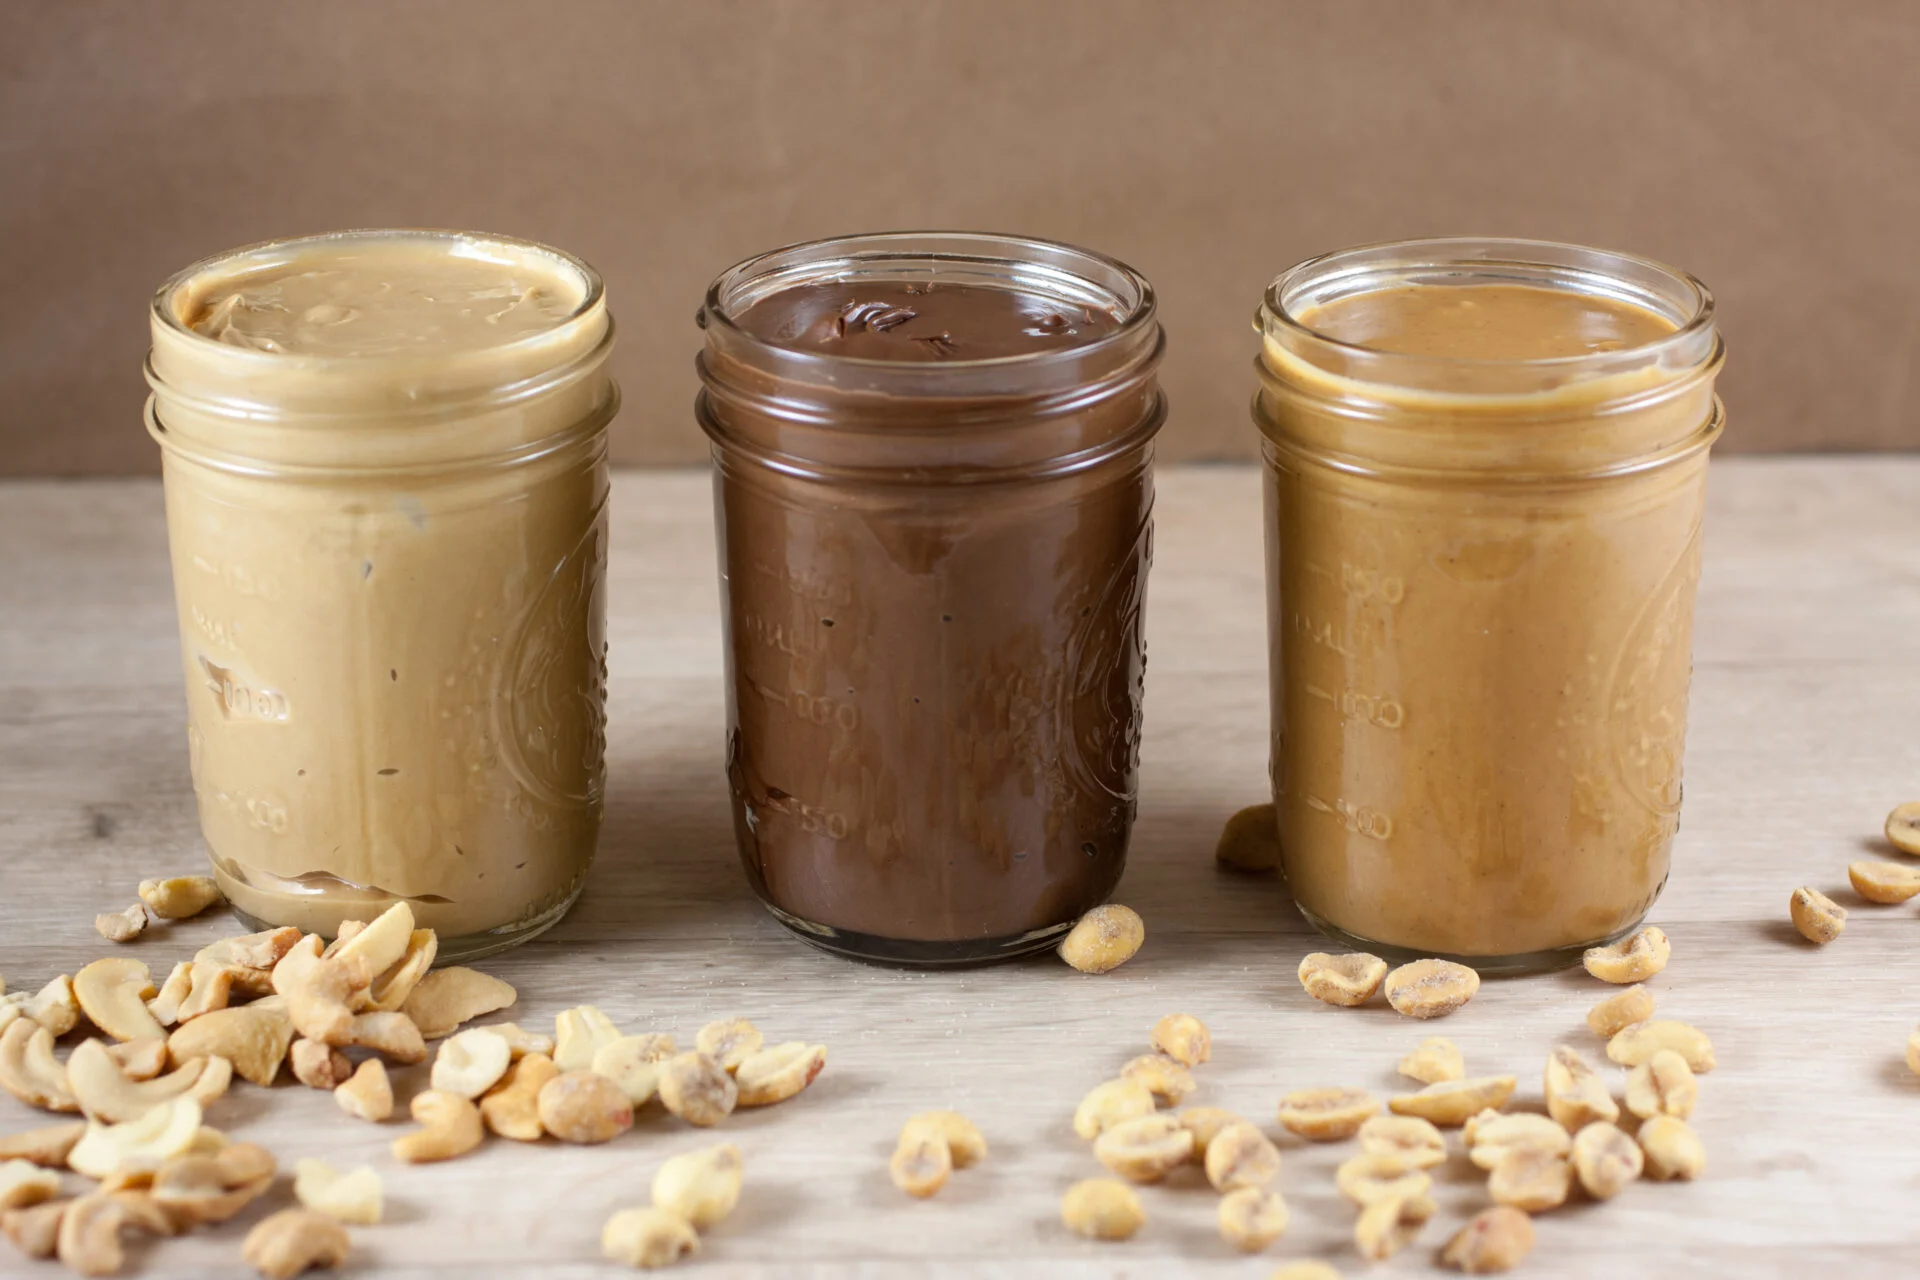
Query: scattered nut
(1206, 1123)
(633, 1063)
(321, 997)
(921, 1161)
(1430, 988)
(1493, 1240)
(697, 1089)
(253, 1037)
(390, 990)
(512, 1110)
(145, 1143)
(1104, 939)
(1367, 1179)
(23, 1184)
(1639, 1042)
(1146, 1149)
(381, 945)
(1109, 1104)
(292, 1241)
(1605, 1159)
(1882, 882)
(122, 926)
(1530, 1178)
(702, 1185)
(1576, 1096)
(196, 1188)
(28, 1069)
(1435, 1061)
(1166, 1080)
(105, 1093)
(1251, 1218)
(1913, 1052)
(367, 1093)
(1408, 1138)
(55, 1007)
(1492, 1134)
(1327, 1115)
(729, 1042)
(345, 1197)
(393, 1036)
(88, 1238)
(1238, 1156)
(1672, 1149)
(1451, 1102)
(138, 1059)
(580, 1034)
(255, 954)
(1250, 840)
(1184, 1038)
(165, 1007)
(1619, 1011)
(964, 1140)
(210, 987)
(179, 897)
(1632, 959)
(35, 1232)
(525, 1042)
(318, 1066)
(471, 1062)
(1305, 1269)
(47, 1146)
(449, 1127)
(448, 997)
(648, 1238)
(1345, 980)
(1903, 827)
(113, 994)
(1818, 917)
(778, 1073)
(579, 1106)
(1663, 1085)
(1102, 1209)
(1388, 1226)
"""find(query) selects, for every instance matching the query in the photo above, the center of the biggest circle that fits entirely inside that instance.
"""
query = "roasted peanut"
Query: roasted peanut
(1250, 840)
(1663, 1085)
(579, 1106)
(1348, 981)
(1435, 1061)
(648, 1238)
(1672, 1149)
(1109, 1104)
(1576, 1096)
(355, 1197)
(964, 1140)
(1632, 959)
(1451, 1102)
(1882, 882)
(1493, 1240)
(1206, 1123)
(1184, 1038)
(1104, 939)
(449, 1127)
(1146, 1149)
(1491, 1134)
(697, 1089)
(1531, 1179)
(512, 1110)
(633, 1063)
(1102, 1209)
(729, 1042)
(1407, 1138)
(122, 926)
(292, 1241)
(1619, 1011)
(1327, 1115)
(1251, 1218)
(921, 1161)
(1639, 1042)
(1366, 1179)
(1430, 988)
(1605, 1159)
(779, 1072)
(179, 897)
(367, 1093)
(1239, 1156)
(1385, 1227)
(1818, 917)
(471, 1062)
(1166, 1080)
(702, 1185)
(1903, 827)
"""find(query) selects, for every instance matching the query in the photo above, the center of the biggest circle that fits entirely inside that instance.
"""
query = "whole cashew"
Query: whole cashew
(450, 1126)
(292, 1241)
(106, 1093)
(28, 1069)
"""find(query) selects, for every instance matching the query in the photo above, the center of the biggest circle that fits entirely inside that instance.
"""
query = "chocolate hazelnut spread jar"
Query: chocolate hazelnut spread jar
(1485, 469)
(932, 477)
(385, 466)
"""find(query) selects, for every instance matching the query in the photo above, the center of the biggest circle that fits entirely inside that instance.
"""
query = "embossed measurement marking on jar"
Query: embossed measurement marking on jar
(1366, 584)
(1359, 819)
(811, 707)
(1368, 634)
(1372, 708)
(775, 635)
(813, 819)
(241, 701)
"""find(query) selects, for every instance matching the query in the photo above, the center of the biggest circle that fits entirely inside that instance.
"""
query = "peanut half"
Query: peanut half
(1619, 1011)
(1184, 1038)
(1903, 827)
(702, 1185)
(1576, 1096)
(1451, 1102)
(1251, 1218)
(922, 1161)
(582, 1107)
(1494, 1240)
(1102, 1209)
(1818, 917)
(1250, 840)
(1146, 1149)
(1632, 959)
(1347, 981)
(1431, 988)
(1327, 1115)
(779, 1072)
(648, 1238)
(697, 1089)
(1882, 882)
(1435, 1061)
(1663, 1085)
(1639, 1042)
(1109, 1104)
(1166, 1080)
(1410, 1139)
(1606, 1160)
(1385, 1227)
(1491, 1134)
(966, 1144)
(1240, 1156)
(1531, 1179)
(1367, 1179)
(1104, 939)
(1671, 1148)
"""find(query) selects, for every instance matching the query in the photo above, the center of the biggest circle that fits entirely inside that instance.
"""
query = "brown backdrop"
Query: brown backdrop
(1771, 146)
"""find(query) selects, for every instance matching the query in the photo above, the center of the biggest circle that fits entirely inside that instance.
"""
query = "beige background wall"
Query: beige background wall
(1771, 146)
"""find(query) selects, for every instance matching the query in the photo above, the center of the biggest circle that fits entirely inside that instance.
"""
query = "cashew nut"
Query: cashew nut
(54, 1006)
(778, 1073)
(512, 1110)
(383, 942)
(46, 1146)
(89, 1237)
(701, 1186)
(293, 1241)
(345, 1197)
(318, 1066)
(254, 954)
(122, 926)
(210, 987)
(633, 1063)
(145, 1143)
(522, 1042)
(28, 1069)
(35, 1232)
(165, 1007)
(450, 1126)
(391, 990)
(199, 1188)
(180, 897)
(138, 1059)
(291, 969)
(253, 1038)
(320, 996)
(113, 994)
(448, 997)
(471, 1062)
(729, 1042)
(367, 1093)
(579, 1034)
(105, 1093)
(23, 1183)
(648, 1238)
(391, 1035)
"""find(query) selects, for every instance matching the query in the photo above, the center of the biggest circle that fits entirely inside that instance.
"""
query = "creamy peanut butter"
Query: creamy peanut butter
(386, 485)
(1483, 521)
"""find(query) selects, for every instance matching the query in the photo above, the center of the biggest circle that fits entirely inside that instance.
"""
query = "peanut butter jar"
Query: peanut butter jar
(1485, 471)
(386, 484)
(932, 459)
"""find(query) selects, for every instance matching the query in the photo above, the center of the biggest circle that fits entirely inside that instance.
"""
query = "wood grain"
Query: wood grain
(1807, 683)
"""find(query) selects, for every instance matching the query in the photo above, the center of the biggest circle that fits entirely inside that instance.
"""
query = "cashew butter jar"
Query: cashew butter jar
(1485, 473)
(386, 484)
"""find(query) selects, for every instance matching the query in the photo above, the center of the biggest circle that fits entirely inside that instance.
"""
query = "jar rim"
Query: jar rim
(1688, 303)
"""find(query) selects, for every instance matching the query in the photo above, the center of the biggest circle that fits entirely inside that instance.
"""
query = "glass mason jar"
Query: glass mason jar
(388, 559)
(1480, 589)
(932, 576)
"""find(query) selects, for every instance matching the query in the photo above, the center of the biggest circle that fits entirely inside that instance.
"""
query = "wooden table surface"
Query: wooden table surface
(1805, 706)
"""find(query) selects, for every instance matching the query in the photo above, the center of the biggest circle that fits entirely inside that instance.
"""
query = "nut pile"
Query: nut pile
(338, 1016)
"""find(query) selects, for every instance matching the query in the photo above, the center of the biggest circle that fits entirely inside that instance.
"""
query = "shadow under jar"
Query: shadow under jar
(933, 485)
(386, 484)
(1485, 472)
